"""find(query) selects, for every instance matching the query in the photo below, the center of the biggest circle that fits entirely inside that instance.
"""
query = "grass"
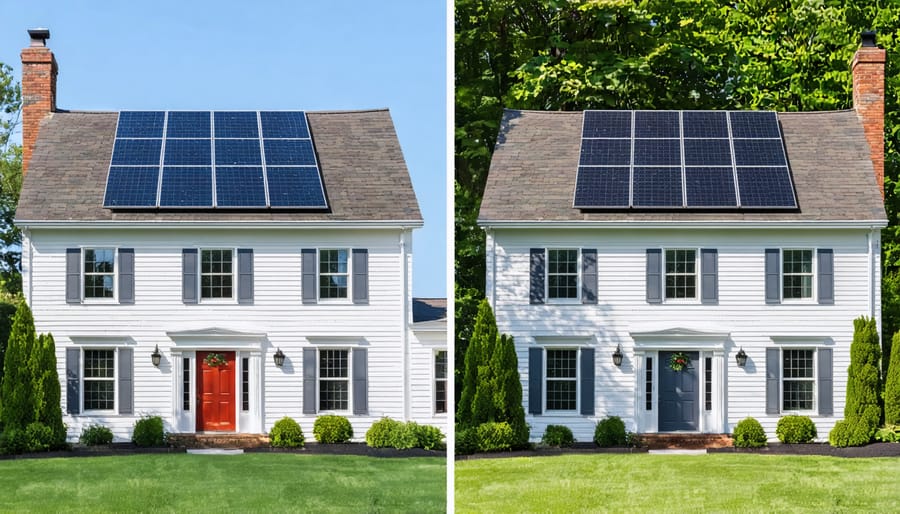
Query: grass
(669, 483)
(224, 483)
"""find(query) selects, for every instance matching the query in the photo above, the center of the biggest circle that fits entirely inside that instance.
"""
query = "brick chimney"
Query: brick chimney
(868, 99)
(38, 89)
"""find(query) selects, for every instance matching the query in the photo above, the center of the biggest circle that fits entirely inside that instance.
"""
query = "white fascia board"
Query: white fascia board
(693, 224)
(329, 225)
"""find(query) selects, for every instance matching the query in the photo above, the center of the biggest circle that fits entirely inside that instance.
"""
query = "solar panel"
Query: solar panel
(683, 159)
(204, 160)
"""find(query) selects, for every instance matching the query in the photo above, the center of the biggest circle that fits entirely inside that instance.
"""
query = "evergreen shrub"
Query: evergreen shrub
(286, 433)
(892, 384)
(382, 433)
(749, 434)
(331, 428)
(795, 429)
(495, 436)
(558, 435)
(610, 431)
(148, 431)
(93, 435)
(430, 437)
(39, 437)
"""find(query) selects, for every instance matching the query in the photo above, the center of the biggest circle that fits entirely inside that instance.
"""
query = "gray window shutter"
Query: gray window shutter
(537, 276)
(773, 275)
(126, 275)
(826, 383)
(589, 275)
(535, 380)
(189, 276)
(73, 275)
(360, 275)
(73, 380)
(360, 382)
(587, 381)
(773, 406)
(126, 381)
(826, 275)
(245, 275)
(310, 406)
(709, 280)
(308, 267)
(654, 275)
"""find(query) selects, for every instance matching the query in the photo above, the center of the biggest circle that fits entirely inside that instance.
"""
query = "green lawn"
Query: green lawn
(678, 483)
(224, 483)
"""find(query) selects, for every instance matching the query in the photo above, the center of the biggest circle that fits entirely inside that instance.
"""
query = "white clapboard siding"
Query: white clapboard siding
(741, 309)
(423, 346)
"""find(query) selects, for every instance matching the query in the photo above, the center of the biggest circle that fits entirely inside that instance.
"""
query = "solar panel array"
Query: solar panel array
(683, 159)
(214, 159)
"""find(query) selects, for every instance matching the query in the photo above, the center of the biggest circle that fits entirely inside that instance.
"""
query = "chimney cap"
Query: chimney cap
(39, 36)
(868, 38)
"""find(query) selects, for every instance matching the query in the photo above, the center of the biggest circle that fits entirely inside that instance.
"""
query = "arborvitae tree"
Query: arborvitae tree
(484, 339)
(863, 380)
(18, 407)
(892, 385)
(46, 387)
(508, 388)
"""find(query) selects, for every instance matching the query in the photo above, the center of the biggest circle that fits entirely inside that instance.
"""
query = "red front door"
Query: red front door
(215, 390)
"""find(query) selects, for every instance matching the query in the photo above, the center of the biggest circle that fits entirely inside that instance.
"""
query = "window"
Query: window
(245, 384)
(562, 274)
(798, 379)
(797, 274)
(562, 379)
(707, 379)
(681, 274)
(648, 381)
(216, 274)
(186, 383)
(334, 273)
(334, 382)
(99, 272)
(99, 380)
(440, 382)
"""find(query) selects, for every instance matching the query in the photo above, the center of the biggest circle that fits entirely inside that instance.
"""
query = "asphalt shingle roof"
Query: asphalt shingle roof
(532, 174)
(363, 170)
(429, 309)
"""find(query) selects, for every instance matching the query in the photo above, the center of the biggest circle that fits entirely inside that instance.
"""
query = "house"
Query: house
(222, 269)
(623, 244)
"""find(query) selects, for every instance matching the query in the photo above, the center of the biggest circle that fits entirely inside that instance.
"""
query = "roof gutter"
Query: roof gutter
(109, 224)
(693, 224)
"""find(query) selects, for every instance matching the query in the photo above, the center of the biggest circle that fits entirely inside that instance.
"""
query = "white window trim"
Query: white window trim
(577, 380)
(349, 297)
(115, 287)
(578, 274)
(814, 293)
(227, 301)
(349, 380)
(814, 380)
(698, 276)
(115, 381)
(435, 379)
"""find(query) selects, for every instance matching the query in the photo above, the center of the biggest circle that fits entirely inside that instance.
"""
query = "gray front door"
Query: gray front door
(679, 395)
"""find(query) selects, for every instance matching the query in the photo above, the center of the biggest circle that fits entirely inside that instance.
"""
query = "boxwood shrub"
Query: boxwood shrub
(749, 434)
(610, 431)
(795, 429)
(93, 435)
(331, 428)
(430, 437)
(286, 433)
(148, 431)
(466, 441)
(382, 433)
(558, 435)
(494, 436)
(39, 437)
(849, 433)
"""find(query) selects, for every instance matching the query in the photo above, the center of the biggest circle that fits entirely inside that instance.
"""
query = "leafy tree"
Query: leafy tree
(10, 181)
(892, 386)
(18, 407)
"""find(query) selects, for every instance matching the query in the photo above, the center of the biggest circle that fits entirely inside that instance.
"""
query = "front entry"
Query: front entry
(679, 394)
(215, 392)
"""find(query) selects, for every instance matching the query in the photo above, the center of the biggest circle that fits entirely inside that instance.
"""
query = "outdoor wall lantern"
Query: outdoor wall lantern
(156, 356)
(279, 358)
(741, 358)
(617, 355)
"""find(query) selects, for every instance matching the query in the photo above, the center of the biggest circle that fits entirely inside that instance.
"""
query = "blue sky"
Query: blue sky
(288, 55)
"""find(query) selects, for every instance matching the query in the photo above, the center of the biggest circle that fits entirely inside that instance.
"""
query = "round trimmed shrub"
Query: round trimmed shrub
(148, 431)
(495, 437)
(610, 431)
(332, 428)
(749, 434)
(850, 433)
(430, 437)
(558, 435)
(382, 433)
(406, 436)
(93, 435)
(795, 429)
(286, 433)
(39, 437)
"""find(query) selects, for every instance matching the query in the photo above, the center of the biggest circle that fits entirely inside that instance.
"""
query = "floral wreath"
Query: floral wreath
(678, 361)
(214, 360)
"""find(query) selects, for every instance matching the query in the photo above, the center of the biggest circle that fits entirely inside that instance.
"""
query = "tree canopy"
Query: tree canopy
(10, 181)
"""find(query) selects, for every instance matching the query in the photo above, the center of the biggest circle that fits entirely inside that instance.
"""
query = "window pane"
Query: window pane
(798, 364)
(216, 280)
(798, 395)
(333, 395)
(681, 274)
(440, 396)
(561, 395)
(561, 363)
(440, 365)
(333, 363)
(99, 363)
(99, 395)
(186, 383)
(245, 384)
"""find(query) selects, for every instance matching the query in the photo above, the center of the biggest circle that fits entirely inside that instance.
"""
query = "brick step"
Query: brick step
(684, 441)
(193, 441)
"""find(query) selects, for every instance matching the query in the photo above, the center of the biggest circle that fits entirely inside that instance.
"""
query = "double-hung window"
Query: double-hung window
(797, 274)
(798, 377)
(216, 274)
(440, 382)
(562, 274)
(561, 379)
(99, 380)
(99, 272)
(334, 380)
(681, 274)
(334, 273)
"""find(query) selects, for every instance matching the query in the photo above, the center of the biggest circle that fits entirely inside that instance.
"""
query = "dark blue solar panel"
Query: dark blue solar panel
(600, 152)
(236, 124)
(710, 187)
(758, 152)
(656, 124)
(657, 187)
(186, 187)
(284, 125)
(190, 152)
(131, 187)
(754, 124)
(707, 152)
(295, 187)
(602, 187)
(188, 124)
(136, 152)
(282, 152)
(657, 152)
(240, 187)
(140, 124)
(231, 152)
(607, 124)
(704, 124)
(766, 187)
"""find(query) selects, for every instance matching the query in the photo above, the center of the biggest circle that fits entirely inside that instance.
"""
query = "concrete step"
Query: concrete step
(684, 441)
(219, 440)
